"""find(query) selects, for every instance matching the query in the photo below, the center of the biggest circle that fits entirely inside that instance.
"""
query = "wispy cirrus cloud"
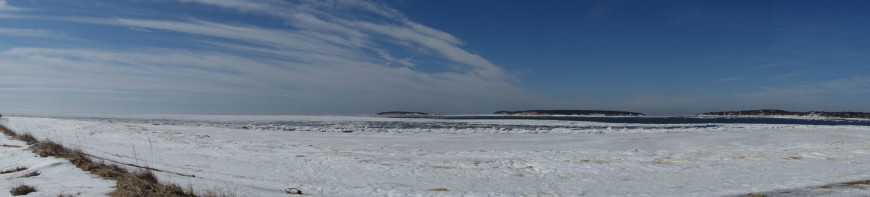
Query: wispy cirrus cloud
(195, 73)
(810, 96)
(793, 74)
(396, 27)
(326, 58)
(25, 32)
(6, 7)
(241, 5)
(34, 33)
(729, 79)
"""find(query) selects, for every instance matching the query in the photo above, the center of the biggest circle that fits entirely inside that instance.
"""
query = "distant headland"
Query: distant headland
(570, 112)
(403, 113)
(776, 112)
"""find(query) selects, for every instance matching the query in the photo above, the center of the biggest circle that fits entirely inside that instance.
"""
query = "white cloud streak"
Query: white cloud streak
(324, 59)
(729, 79)
(399, 28)
(241, 5)
(6, 7)
(25, 32)
(809, 95)
(34, 33)
(195, 73)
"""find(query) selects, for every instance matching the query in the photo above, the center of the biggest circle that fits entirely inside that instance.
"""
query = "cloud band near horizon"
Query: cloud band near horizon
(316, 57)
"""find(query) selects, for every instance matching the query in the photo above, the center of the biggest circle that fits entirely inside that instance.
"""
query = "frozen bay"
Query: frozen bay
(347, 156)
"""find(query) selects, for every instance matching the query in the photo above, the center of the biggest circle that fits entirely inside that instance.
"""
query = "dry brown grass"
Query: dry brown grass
(22, 190)
(6, 131)
(862, 184)
(31, 174)
(27, 138)
(219, 192)
(142, 183)
(146, 175)
(855, 183)
(49, 148)
(16, 169)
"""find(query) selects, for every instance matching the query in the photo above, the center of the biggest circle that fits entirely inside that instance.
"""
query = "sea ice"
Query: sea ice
(728, 159)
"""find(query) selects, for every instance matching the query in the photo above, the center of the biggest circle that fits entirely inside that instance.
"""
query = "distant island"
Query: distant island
(570, 112)
(776, 112)
(402, 113)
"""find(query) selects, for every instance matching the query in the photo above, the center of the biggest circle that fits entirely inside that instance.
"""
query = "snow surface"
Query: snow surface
(57, 177)
(359, 156)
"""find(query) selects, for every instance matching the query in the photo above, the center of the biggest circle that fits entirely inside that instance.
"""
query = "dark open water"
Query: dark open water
(667, 120)
(442, 122)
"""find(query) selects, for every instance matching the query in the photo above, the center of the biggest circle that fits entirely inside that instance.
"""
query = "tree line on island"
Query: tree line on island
(531, 113)
(403, 113)
(570, 112)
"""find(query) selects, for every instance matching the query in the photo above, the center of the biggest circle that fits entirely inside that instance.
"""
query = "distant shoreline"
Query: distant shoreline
(570, 112)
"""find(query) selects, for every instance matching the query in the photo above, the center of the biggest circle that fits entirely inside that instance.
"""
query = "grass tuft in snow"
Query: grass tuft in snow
(855, 183)
(146, 175)
(31, 174)
(7, 132)
(27, 137)
(16, 169)
(49, 148)
(109, 171)
(22, 190)
(145, 183)
(142, 183)
(219, 192)
(861, 184)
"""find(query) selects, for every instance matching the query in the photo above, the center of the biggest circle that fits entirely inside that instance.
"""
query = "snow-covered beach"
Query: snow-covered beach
(340, 156)
(50, 176)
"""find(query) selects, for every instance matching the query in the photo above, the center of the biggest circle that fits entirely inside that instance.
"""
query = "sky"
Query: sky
(437, 56)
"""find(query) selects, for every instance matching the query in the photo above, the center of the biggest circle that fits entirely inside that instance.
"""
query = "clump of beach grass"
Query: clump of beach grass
(22, 190)
(31, 174)
(16, 169)
(140, 183)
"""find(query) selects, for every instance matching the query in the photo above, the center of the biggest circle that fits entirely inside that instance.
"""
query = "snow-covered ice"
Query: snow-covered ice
(348, 156)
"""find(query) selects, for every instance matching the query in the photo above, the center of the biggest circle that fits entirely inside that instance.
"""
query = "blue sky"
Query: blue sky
(351, 57)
